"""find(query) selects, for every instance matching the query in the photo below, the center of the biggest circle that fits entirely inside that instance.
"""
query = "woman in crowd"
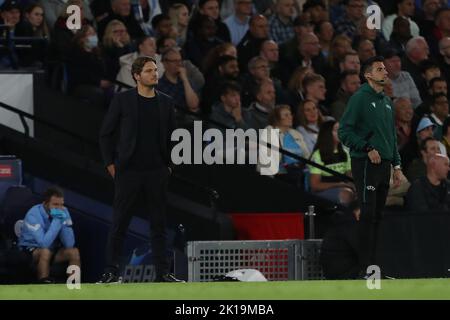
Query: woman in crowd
(295, 90)
(309, 120)
(179, 15)
(325, 33)
(329, 153)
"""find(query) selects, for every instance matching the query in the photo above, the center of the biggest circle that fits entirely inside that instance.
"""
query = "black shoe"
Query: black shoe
(109, 277)
(46, 280)
(168, 277)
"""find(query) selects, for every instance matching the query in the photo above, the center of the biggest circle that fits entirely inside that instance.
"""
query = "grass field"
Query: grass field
(289, 290)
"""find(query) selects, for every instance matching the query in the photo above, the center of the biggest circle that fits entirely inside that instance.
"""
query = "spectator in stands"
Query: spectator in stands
(210, 8)
(437, 85)
(365, 33)
(315, 90)
(228, 112)
(329, 152)
(430, 70)
(296, 92)
(47, 235)
(281, 22)
(348, 23)
(179, 16)
(425, 17)
(269, 50)
(317, 12)
(121, 10)
(100, 9)
(116, 43)
(325, 33)
(446, 135)
(350, 83)
(238, 22)
(263, 104)
(401, 34)
(366, 50)
(87, 77)
(146, 46)
(290, 169)
(428, 147)
(404, 115)
(250, 44)
(431, 191)
(444, 57)
(402, 82)
(164, 43)
(146, 10)
(439, 112)
(202, 40)
(210, 61)
(162, 26)
(416, 51)
(405, 8)
(10, 14)
(54, 8)
(340, 45)
(350, 62)
(309, 120)
(176, 83)
(441, 30)
(61, 36)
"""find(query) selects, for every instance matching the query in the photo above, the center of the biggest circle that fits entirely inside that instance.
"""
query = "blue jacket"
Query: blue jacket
(39, 231)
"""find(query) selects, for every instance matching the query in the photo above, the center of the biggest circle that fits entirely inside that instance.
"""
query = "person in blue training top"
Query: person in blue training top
(47, 234)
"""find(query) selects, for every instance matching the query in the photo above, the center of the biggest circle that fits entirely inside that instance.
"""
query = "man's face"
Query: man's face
(366, 33)
(54, 203)
(441, 167)
(402, 28)
(148, 47)
(259, 28)
(351, 62)
(310, 45)
(122, 7)
(266, 96)
(243, 7)
(230, 69)
(164, 28)
(270, 51)
(231, 99)
(317, 13)
(432, 73)
(351, 84)
(366, 50)
(285, 8)
(211, 9)
(421, 51)
(431, 6)
(440, 107)
(317, 90)
(426, 133)
(378, 74)
(404, 111)
(355, 10)
(407, 6)
(261, 70)
(172, 63)
(393, 66)
(149, 75)
(431, 149)
(444, 21)
(208, 29)
(444, 47)
(11, 16)
(438, 87)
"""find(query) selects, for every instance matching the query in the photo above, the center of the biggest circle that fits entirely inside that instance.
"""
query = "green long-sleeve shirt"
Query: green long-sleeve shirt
(369, 121)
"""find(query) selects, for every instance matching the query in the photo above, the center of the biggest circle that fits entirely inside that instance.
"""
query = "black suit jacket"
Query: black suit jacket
(119, 130)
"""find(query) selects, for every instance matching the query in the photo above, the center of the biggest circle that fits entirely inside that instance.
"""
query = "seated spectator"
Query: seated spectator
(401, 34)
(54, 8)
(404, 115)
(441, 28)
(47, 235)
(430, 70)
(251, 43)
(373, 35)
(340, 46)
(162, 26)
(146, 10)
(281, 22)
(290, 169)
(116, 43)
(317, 12)
(296, 92)
(405, 8)
(34, 26)
(179, 16)
(437, 85)
(210, 8)
(176, 83)
(425, 16)
(315, 90)
(228, 112)
(429, 147)
(164, 43)
(416, 51)
(121, 11)
(349, 61)
(269, 50)
(238, 22)
(444, 57)
(348, 23)
(439, 112)
(446, 135)
(396, 193)
(202, 40)
(87, 78)
(309, 120)
(431, 191)
(365, 49)
(329, 152)
(350, 83)
(325, 33)
(10, 14)
(210, 61)
(402, 83)
(260, 109)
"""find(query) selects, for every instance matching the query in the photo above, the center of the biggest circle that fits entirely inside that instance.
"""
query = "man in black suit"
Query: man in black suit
(142, 120)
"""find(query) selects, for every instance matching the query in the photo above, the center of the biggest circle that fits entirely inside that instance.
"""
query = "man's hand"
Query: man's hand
(397, 177)
(374, 156)
(112, 170)
(183, 74)
(237, 114)
(58, 214)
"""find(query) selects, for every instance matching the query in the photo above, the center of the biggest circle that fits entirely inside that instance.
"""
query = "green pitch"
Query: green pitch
(289, 290)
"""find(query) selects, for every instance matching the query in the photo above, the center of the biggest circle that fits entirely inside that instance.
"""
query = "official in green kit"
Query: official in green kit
(367, 128)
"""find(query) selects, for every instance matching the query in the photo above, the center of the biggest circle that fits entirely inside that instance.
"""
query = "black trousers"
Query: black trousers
(128, 185)
(372, 186)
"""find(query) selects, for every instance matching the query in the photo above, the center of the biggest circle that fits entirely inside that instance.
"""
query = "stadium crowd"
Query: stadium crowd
(287, 64)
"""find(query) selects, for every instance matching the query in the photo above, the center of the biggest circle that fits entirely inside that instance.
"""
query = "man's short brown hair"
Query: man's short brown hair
(138, 65)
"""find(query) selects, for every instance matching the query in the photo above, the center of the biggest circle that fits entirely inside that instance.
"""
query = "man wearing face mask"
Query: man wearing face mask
(368, 129)
(47, 235)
